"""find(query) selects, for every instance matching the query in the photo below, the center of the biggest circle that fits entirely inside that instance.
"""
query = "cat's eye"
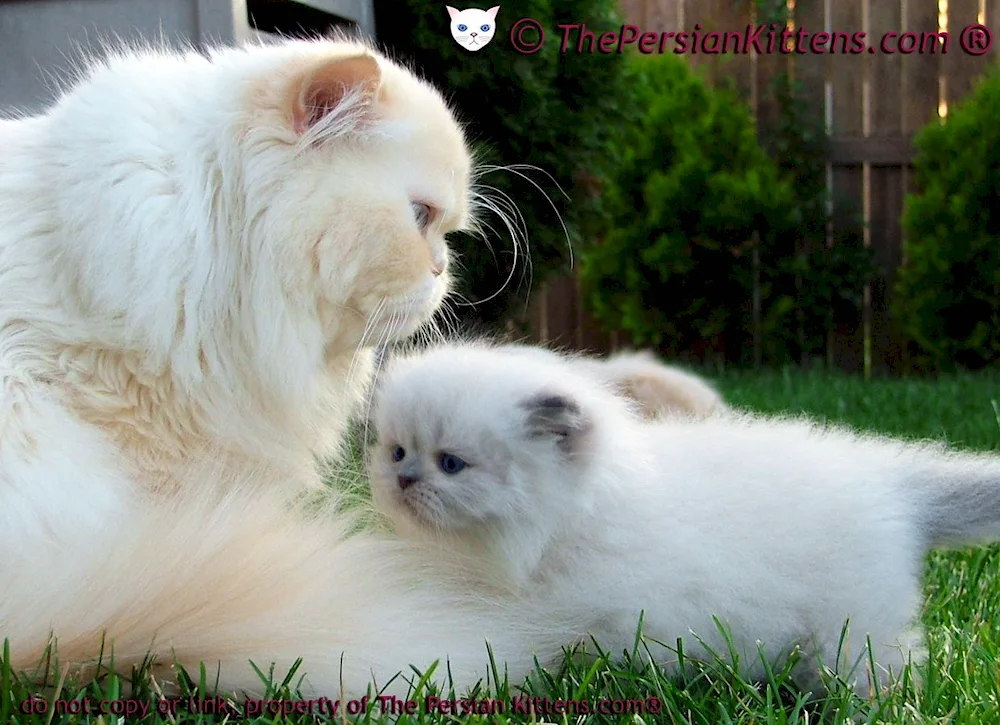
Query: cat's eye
(451, 464)
(462, 28)
(485, 28)
(398, 454)
(422, 215)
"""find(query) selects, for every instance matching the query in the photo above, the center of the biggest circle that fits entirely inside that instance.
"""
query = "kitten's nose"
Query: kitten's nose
(473, 34)
(407, 481)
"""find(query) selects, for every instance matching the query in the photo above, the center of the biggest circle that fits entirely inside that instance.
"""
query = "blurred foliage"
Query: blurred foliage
(699, 210)
(948, 294)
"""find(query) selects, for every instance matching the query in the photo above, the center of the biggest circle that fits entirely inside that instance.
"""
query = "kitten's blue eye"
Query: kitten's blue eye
(451, 464)
(485, 28)
(398, 453)
(462, 28)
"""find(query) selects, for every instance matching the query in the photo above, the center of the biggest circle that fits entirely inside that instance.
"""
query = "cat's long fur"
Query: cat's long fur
(197, 254)
(782, 528)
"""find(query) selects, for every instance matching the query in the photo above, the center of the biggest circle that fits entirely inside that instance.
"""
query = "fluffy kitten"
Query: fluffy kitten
(197, 254)
(473, 28)
(658, 389)
(781, 528)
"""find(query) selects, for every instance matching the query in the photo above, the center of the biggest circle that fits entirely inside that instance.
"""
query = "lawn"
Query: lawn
(961, 682)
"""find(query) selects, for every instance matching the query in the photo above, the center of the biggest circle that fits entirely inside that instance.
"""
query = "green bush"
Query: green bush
(692, 188)
(553, 111)
(948, 295)
(701, 216)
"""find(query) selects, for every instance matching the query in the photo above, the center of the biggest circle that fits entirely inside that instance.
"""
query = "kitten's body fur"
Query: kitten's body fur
(781, 528)
(659, 389)
(197, 254)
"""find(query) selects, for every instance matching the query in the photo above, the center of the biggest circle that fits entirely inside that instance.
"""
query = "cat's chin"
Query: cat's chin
(403, 316)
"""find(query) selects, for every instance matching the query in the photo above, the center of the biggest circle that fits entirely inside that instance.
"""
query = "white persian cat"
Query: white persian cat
(473, 28)
(197, 255)
(781, 528)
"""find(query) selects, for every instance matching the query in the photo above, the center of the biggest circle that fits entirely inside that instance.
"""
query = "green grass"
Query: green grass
(961, 681)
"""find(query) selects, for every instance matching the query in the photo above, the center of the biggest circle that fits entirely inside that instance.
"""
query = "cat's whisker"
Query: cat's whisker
(478, 229)
(507, 209)
(449, 318)
(517, 237)
(506, 202)
(396, 320)
(370, 326)
(519, 171)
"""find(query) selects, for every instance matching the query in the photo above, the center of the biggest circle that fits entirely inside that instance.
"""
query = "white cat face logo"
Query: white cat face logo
(472, 28)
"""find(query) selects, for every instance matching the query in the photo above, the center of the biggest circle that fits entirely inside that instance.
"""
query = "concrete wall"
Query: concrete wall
(40, 39)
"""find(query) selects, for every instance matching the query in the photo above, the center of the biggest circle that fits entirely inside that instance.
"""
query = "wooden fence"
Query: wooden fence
(871, 104)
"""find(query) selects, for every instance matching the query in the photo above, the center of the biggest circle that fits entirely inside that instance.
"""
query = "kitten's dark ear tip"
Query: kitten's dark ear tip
(553, 402)
(558, 416)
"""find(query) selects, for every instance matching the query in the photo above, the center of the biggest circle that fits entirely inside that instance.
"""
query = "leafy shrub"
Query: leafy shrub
(692, 188)
(553, 111)
(948, 294)
(702, 216)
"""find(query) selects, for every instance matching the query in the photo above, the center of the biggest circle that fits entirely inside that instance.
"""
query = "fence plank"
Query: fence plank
(920, 70)
(961, 68)
(769, 65)
(589, 334)
(722, 17)
(885, 188)
(846, 79)
(811, 68)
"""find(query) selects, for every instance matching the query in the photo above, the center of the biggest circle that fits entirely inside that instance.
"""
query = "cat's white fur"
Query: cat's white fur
(197, 254)
(659, 389)
(473, 28)
(782, 528)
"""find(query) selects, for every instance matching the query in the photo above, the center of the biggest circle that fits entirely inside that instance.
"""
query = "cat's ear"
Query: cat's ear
(327, 87)
(558, 417)
(452, 12)
(492, 12)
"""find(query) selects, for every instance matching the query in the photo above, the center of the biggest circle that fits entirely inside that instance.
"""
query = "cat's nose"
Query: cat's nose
(473, 34)
(407, 481)
(439, 262)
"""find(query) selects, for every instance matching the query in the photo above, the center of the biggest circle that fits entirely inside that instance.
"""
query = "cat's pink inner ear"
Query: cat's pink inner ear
(325, 87)
(492, 12)
(452, 12)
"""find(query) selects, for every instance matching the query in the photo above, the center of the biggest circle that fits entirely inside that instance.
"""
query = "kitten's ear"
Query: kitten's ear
(558, 417)
(452, 12)
(492, 12)
(324, 88)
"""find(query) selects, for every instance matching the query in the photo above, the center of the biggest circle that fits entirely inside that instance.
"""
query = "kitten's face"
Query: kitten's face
(472, 28)
(463, 444)
(434, 478)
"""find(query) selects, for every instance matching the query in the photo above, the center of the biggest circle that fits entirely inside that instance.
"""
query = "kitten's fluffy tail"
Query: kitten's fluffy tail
(227, 578)
(959, 497)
